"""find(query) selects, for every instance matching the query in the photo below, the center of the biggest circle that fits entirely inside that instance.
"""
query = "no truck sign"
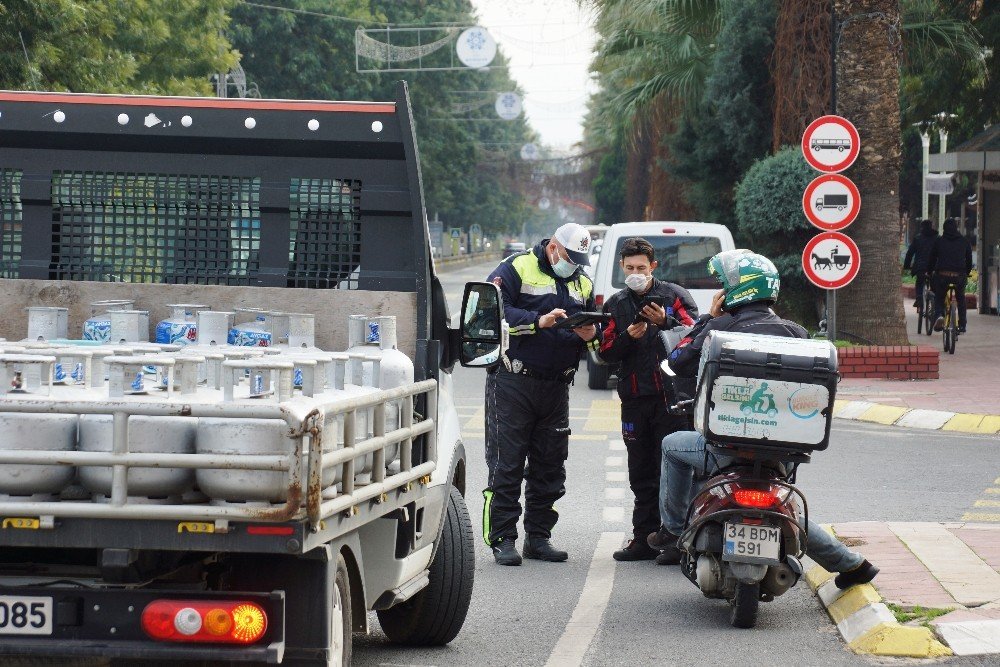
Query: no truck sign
(831, 202)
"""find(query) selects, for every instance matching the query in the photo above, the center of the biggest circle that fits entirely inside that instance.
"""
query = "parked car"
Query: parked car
(682, 250)
(513, 247)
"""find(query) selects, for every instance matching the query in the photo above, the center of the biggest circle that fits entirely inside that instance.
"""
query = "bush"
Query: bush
(769, 214)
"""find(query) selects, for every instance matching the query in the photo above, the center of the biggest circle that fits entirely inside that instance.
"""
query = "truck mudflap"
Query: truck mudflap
(55, 622)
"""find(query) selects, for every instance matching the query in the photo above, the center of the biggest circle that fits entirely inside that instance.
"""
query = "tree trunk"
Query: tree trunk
(868, 95)
(666, 200)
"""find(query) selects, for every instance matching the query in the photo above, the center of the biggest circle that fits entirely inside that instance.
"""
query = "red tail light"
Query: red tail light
(599, 299)
(758, 498)
(217, 621)
(669, 230)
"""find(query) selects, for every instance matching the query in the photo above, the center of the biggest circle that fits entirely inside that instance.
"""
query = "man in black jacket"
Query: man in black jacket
(918, 257)
(750, 285)
(950, 262)
(631, 339)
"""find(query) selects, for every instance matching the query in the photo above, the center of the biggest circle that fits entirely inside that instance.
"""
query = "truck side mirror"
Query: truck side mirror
(484, 331)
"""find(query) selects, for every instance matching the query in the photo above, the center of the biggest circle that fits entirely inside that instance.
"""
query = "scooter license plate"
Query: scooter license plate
(751, 544)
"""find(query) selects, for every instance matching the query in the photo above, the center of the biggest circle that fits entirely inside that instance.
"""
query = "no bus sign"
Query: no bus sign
(831, 260)
(831, 144)
(831, 202)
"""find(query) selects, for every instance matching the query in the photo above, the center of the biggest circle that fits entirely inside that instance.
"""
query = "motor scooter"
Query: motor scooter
(746, 523)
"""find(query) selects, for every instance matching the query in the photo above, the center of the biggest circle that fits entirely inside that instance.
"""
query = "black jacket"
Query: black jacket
(918, 255)
(756, 318)
(951, 253)
(640, 359)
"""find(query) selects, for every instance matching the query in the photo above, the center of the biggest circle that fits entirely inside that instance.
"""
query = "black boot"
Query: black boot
(666, 543)
(539, 548)
(636, 549)
(505, 553)
(862, 574)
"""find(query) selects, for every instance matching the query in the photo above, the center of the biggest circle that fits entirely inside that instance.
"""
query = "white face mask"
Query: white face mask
(637, 281)
(562, 268)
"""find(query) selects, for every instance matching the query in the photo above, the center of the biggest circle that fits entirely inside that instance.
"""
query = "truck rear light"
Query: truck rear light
(599, 299)
(217, 621)
(270, 530)
(669, 230)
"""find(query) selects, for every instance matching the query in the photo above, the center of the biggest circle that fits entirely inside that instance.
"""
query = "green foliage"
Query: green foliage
(769, 217)
(609, 186)
(124, 46)
(717, 141)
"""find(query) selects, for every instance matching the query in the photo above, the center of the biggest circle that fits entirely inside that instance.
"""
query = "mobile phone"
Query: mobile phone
(658, 300)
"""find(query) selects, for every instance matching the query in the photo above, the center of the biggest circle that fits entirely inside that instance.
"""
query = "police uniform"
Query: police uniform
(527, 396)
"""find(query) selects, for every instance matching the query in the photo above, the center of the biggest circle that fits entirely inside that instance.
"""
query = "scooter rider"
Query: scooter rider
(750, 284)
(527, 396)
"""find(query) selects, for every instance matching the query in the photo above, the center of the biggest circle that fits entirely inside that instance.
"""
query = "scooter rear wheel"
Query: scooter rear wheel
(745, 603)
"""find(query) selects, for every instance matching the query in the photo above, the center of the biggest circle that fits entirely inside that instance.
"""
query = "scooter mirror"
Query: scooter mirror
(667, 370)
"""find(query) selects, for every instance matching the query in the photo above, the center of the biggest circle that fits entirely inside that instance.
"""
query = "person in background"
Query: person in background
(631, 339)
(527, 395)
(918, 257)
(950, 262)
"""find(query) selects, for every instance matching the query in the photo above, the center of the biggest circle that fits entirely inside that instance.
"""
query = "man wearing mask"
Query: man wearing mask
(631, 339)
(950, 263)
(527, 396)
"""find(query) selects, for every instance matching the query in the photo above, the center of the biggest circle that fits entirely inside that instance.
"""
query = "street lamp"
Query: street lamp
(924, 127)
(943, 120)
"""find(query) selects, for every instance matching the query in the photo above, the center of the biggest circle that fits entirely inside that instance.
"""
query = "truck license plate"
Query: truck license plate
(25, 615)
(751, 544)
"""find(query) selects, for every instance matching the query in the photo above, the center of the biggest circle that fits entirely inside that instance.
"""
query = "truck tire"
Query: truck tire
(434, 616)
(340, 617)
(597, 375)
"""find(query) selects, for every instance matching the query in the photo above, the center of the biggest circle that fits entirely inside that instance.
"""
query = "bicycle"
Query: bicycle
(925, 310)
(950, 330)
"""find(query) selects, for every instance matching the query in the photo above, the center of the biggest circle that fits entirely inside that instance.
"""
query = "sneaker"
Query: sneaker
(635, 550)
(505, 553)
(961, 330)
(939, 324)
(916, 304)
(539, 548)
(669, 556)
(661, 539)
(862, 574)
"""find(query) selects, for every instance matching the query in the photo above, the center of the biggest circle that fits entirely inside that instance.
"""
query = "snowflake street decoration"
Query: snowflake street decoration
(476, 41)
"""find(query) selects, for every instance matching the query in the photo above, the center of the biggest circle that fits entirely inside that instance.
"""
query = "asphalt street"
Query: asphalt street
(644, 614)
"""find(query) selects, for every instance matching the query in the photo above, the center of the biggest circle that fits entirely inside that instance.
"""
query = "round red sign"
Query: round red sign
(831, 260)
(831, 202)
(831, 144)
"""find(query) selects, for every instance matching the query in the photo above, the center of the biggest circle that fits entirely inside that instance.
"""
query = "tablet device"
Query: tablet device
(581, 320)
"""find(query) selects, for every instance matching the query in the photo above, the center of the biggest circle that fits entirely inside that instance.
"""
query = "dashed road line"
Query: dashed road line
(614, 493)
(614, 461)
(614, 514)
(616, 476)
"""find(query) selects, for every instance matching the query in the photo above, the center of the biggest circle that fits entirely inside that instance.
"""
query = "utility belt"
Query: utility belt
(517, 367)
(950, 274)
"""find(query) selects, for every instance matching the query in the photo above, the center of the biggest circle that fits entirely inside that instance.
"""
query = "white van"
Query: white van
(682, 250)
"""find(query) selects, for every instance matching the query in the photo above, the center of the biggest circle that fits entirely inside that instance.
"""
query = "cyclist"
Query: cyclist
(950, 263)
(918, 255)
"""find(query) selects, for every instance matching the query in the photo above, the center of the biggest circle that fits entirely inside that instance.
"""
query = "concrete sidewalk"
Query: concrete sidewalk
(938, 592)
(965, 398)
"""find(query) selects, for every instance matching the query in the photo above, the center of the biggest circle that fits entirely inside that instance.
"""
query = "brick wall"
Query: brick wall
(892, 362)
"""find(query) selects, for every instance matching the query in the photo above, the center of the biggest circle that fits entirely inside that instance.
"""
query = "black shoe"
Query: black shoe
(862, 574)
(961, 330)
(539, 548)
(661, 539)
(505, 553)
(635, 550)
(670, 556)
(939, 324)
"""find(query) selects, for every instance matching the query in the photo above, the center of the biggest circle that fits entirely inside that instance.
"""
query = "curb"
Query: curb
(867, 625)
(936, 420)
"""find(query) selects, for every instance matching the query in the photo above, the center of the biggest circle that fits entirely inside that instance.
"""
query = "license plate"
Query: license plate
(25, 615)
(751, 544)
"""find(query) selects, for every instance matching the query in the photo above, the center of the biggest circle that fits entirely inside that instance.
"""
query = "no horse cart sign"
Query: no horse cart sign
(831, 260)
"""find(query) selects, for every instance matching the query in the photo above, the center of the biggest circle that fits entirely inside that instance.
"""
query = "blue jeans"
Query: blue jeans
(684, 456)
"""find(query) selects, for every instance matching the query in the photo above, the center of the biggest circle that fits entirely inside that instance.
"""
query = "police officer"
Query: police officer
(527, 396)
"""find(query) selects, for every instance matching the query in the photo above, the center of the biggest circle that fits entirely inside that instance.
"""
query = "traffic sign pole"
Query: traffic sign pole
(831, 315)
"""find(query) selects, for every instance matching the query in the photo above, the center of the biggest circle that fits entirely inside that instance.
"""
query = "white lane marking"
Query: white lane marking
(614, 513)
(614, 493)
(613, 461)
(617, 477)
(572, 646)
(618, 445)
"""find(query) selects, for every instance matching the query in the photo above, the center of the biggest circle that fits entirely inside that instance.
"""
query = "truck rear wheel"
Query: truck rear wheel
(340, 617)
(434, 616)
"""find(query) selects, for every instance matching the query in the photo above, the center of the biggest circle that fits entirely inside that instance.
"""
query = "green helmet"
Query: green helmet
(745, 276)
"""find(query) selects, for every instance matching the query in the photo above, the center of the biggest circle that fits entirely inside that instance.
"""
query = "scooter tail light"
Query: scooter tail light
(756, 498)
(217, 621)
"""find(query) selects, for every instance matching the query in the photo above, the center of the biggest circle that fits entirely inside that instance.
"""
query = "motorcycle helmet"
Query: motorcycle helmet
(746, 277)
